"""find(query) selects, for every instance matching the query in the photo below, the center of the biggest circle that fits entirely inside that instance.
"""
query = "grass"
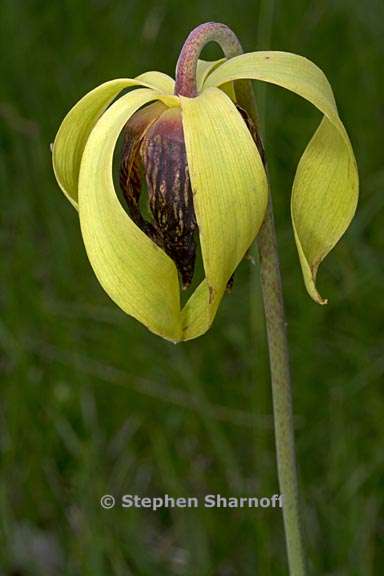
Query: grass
(93, 404)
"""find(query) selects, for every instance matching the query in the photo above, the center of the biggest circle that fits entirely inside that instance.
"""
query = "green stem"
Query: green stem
(281, 391)
(272, 295)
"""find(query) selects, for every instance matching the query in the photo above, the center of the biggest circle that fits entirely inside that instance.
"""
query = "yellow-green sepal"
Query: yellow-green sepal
(203, 70)
(230, 194)
(137, 275)
(158, 81)
(325, 189)
(73, 133)
(324, 198)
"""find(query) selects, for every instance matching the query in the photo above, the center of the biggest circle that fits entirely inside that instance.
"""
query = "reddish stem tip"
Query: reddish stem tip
(194, 44)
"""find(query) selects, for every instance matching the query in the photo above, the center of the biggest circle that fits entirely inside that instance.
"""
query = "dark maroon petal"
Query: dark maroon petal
(130, 169)
(169, 190)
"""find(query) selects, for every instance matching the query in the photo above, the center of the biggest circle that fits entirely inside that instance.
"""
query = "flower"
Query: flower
(206, 180)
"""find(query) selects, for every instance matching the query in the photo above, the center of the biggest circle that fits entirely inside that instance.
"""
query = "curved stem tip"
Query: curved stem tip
(194, 44)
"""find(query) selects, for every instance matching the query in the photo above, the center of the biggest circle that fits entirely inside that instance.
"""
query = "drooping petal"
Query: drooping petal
(325, 189)
(169, 191)
(135, 273)
(198, 313)
(158, 81)
(130, 166)
(204, 68)
(229, 189)
(324, 199)
(74, 130)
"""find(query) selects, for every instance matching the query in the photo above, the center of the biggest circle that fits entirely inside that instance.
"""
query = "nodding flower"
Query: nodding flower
(194, 145)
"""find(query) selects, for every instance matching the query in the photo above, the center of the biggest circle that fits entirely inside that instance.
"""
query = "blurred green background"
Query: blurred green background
(91, 403)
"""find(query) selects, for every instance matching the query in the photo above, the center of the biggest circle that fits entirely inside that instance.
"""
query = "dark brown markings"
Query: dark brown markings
(169, 190)
(131, 165)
